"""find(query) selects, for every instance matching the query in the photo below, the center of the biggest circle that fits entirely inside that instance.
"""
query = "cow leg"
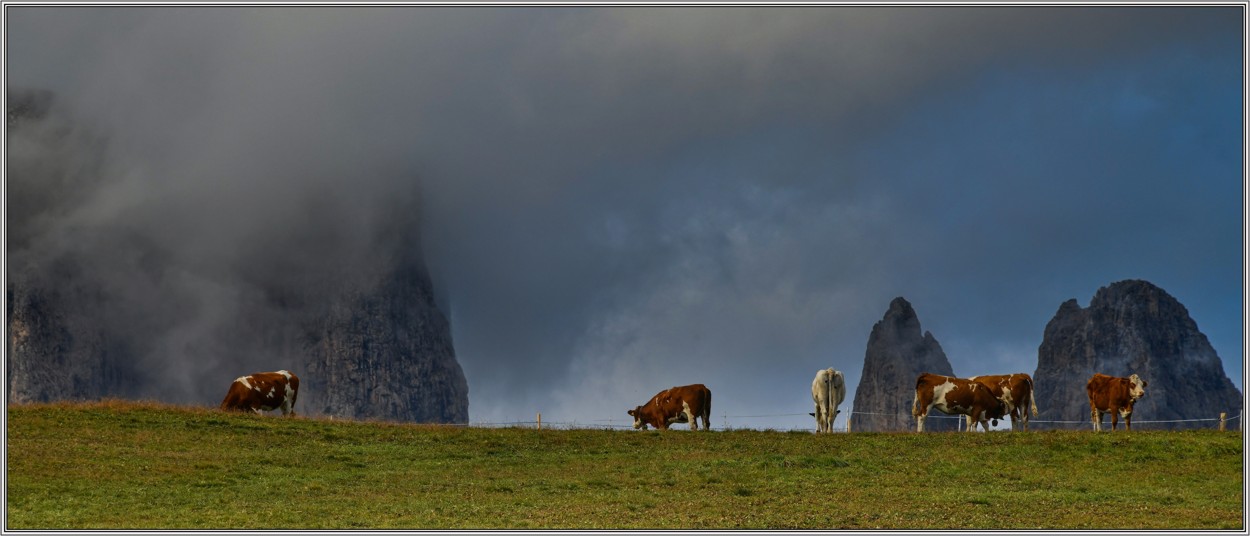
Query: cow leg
(1115, 417)
(920, 423)
(1127, 415)
(1096, 419)
(820, 421)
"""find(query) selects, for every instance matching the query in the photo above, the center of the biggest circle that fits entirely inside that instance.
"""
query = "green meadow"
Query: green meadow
(128, 465)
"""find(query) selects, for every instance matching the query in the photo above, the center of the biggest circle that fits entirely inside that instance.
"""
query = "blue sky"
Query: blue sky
(622, 200)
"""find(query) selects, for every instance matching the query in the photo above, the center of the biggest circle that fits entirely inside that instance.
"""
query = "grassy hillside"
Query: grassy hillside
(128, 465)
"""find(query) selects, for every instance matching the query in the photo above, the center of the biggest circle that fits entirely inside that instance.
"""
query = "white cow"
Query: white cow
(828, 391)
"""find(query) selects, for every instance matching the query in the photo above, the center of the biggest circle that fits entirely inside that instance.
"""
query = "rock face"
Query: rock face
(110, 308)
(387, 352)
(55, 350)
(898, 352)
(1132, 327)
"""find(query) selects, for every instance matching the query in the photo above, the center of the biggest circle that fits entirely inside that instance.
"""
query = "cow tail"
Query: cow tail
(1032, 397)
(707, 409)
(294, 392)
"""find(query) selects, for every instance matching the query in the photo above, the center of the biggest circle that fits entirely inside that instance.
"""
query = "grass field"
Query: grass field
(123, 465)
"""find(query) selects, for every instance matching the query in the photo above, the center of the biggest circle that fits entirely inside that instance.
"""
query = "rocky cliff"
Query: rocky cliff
(108, 304)
(1131, 327)
(389, 343)
(898, 352)
(54, 349)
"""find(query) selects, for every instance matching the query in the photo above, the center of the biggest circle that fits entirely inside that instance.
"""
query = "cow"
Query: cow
(263, 391)
(828, 391)
(955, 395)
(1110, 394)
(1015, 390)
(682, 404)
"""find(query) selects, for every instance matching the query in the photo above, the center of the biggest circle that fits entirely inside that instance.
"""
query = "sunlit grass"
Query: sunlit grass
(118, 465)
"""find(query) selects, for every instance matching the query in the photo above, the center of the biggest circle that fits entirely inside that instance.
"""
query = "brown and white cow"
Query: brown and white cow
(1114, 395)
(263, 391)
(682, 404)
(1016, 391)
(955, 396)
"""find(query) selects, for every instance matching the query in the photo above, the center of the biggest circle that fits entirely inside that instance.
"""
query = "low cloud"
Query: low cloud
(614, 201)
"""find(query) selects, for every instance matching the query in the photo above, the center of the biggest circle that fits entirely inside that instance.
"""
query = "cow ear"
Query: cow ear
(631, 413)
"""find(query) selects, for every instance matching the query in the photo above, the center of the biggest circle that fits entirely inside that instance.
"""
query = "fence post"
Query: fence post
(1222, 416)
(848, 424)
(540, 420)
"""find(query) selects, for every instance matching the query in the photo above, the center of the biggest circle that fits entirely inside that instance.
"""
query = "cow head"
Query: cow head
(1138, 387)
(1003, 410)
(1001, 405)
(636, 413)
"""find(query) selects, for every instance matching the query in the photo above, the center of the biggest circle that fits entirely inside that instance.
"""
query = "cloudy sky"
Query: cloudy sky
(621, 200)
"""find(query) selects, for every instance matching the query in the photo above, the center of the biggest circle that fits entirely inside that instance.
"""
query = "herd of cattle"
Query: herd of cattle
(980, 398)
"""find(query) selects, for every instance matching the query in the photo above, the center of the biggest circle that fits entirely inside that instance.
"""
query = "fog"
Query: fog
(615, 201)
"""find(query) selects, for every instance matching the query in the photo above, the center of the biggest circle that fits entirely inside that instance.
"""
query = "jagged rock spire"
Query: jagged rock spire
(898, 352)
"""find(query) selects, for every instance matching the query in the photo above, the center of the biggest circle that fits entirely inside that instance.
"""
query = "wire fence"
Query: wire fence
(622, 424)
(1089, 422)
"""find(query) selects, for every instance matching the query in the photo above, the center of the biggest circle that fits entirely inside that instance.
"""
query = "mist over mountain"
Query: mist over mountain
(611, 200)
(116, 304)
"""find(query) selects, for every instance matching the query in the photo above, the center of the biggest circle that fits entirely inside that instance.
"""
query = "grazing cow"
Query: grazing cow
(682, 404)
(828, 391)
(955, 395)
(1015, 390)
(1109, 394)
(263, 391)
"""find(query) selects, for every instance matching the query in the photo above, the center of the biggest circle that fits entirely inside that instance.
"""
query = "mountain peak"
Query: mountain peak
(1132, 327)
(898, 352)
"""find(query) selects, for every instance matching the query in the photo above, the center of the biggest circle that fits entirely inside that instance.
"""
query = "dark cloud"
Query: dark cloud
(620, 200)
